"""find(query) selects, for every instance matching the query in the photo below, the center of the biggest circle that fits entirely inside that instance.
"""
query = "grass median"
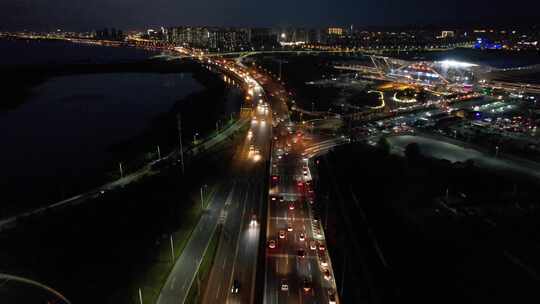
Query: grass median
(151, 282)
(198, 287)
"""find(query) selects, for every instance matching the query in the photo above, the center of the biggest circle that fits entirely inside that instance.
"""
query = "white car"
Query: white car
(284, 285)
(235, 288)
(327, 275)
(302, 236)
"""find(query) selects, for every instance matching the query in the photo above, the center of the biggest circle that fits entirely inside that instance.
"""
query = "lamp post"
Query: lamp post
(202, 196)
(121, 170)
(202, 199)
(172, 249)
(181, 148)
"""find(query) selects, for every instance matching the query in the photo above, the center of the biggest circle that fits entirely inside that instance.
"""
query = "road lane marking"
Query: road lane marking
(244, 201)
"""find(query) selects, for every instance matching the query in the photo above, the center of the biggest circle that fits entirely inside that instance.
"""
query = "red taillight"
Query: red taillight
(300, 184)
(274, 177)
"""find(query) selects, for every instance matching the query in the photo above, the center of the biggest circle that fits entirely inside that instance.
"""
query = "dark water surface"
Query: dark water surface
(21, 52)
(63, 133)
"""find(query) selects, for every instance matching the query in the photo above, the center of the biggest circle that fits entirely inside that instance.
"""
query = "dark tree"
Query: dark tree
(412, 152)
(384, 145)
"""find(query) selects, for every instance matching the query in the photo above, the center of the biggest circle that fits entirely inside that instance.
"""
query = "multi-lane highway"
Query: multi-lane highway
(298, 268)
(185, 268)
(238, 199)
(232, 278)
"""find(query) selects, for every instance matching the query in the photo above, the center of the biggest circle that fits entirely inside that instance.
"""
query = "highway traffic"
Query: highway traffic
(232, 279)
(297, 265)
(298, 268)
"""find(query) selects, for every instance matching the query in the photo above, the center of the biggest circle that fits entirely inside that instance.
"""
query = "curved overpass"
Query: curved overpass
(49, 290)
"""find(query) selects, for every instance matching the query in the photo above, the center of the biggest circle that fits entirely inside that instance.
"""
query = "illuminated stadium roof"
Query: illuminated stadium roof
(456, 64)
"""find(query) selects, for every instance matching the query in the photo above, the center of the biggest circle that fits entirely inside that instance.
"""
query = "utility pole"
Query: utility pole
(121, 170)
(172, 249)
(280, 62)
(343, 275)
(202, 199)
(198, 285)
(181, 149)
(158, 152)
(326, 214)
(140, 296)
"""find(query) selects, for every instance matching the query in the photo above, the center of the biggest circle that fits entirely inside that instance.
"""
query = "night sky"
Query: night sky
(135, 14)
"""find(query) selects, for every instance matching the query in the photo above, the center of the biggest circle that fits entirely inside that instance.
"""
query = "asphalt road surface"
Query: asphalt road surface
(236, 257)
(292, 277)
(183, 273)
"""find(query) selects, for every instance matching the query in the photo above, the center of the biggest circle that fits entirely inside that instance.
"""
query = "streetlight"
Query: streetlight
(172, 249)
(202, 196)
(121, 170)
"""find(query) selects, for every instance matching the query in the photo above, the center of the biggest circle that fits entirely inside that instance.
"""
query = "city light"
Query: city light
(456, 64)
(286, 103)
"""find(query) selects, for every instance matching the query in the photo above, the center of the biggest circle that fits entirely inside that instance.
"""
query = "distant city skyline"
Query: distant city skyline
(82, 15)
